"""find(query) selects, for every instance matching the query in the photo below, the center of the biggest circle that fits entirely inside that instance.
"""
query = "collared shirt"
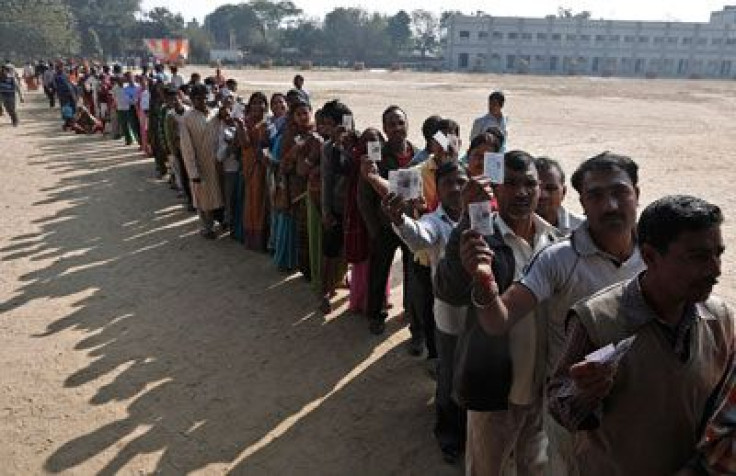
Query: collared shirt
(131, 94)
(484, 123)
(428, 171)
(523, 336)
(570, 270)
(430, 234)
(576, 413)
(568, 221)
(420, 157)
(177, 81)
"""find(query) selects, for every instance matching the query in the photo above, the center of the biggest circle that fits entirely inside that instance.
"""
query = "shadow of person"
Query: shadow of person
(199, 354)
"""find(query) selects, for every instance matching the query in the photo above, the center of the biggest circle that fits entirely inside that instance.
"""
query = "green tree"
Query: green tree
(306, 36)
(111, 20)
(159, 23)
(426, 28)
(200, 42)
(398, 29)
(39, 28)
(238, 20)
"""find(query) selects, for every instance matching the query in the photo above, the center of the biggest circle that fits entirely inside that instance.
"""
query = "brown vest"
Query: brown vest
(651, 418)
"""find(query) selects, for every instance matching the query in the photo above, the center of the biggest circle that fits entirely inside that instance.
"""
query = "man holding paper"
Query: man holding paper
(601, 252)
(639, 411)
(501, 376)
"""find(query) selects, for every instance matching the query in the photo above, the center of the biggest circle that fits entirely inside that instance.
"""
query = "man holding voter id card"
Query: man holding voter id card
(499, 379)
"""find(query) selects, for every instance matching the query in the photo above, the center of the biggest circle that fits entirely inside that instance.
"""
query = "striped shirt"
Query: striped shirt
(198, 141)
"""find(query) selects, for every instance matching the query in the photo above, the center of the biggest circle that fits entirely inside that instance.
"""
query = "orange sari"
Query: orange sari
(256, 206)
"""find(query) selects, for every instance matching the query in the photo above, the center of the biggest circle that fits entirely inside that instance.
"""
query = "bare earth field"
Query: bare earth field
(130, 345)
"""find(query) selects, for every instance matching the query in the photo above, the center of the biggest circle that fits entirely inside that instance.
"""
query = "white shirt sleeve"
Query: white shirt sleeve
(542, 273)
(418, 234)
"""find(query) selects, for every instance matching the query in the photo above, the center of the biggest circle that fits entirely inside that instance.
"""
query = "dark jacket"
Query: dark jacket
(369, 202)
(483, 375)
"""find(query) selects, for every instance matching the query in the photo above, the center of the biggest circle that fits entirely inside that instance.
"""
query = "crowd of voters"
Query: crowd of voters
(563, 344)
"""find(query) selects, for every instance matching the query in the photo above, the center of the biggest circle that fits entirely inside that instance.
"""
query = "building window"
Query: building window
(584, 38)
(553, 63)
(672, 40)
(643, 39)
(628, 39)
(614, 38)
(687, 41)
(600, 38)
(464, 35)
(596, 64)
(513, 36)
(726, 68)
(571, 37)
(717, 41)
(510, 62)
(682, 66)
(482, 35)
(658, 40)
(731, 41)
(541, 37)
(497, 35)
(526, 36)
(556, 37)
(462, 61)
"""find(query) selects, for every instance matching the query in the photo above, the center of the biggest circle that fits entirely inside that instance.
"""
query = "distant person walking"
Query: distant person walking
(9, 88)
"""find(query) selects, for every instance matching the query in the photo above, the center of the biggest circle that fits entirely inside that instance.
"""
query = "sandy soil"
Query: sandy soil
(128, 344)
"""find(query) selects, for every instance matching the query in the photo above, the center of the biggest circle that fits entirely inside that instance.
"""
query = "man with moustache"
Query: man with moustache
(642, 415)
(504, 393)
(600, 252)
(397, 154)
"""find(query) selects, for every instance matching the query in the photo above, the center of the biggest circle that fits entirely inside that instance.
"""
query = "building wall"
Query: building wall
(594, 47)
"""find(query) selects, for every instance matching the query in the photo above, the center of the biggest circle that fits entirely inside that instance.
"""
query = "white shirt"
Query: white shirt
(431, 233)
(176, 80)
(121, 98)
(568, 221)
(145, 99)
(483, 123)
(523, 336)
(568, 271)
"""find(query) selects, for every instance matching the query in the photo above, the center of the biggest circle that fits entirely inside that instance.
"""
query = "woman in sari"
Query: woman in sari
(253, 136)
(276, 127)
(292, 243)
(357, 237)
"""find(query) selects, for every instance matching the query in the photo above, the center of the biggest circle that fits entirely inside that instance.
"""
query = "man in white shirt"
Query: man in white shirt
(494, 118)
(552, 193)
(600, 252)
(176, 79)
(430, 234)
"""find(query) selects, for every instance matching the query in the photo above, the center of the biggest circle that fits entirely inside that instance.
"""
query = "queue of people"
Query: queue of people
(563, 345)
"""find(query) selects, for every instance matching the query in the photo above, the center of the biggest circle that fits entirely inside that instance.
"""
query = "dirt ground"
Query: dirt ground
(130, 345)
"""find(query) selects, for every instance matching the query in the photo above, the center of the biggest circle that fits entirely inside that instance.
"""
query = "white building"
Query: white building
(594, 47)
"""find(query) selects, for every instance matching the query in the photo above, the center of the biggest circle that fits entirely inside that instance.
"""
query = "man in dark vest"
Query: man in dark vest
(641, 413)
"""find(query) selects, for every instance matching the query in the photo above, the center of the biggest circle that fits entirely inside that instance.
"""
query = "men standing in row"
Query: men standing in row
(504, 376)
(601, 252)
(642, 415)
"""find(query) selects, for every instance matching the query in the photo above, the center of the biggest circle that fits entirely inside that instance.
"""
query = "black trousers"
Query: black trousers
(384, 248)
(51, 95)
(186, 185)
(451, 423)
(422, 307)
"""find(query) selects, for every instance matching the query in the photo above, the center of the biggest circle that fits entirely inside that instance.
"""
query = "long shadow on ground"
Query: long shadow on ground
(219, 358)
